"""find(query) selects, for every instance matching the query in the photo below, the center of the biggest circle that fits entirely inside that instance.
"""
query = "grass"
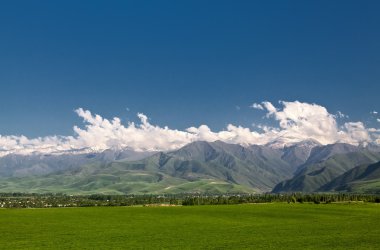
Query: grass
(256, 226)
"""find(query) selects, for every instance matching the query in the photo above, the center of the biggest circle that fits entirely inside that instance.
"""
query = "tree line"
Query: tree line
(27, 200)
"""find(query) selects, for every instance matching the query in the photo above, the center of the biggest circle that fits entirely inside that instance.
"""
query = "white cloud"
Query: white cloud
(102, 134)
(300, 121)
(378, 119)
(257, 106)
(357, 132)
(296, 121)
(373, 130)
(374, 112)
(339, 114)
(269, 106)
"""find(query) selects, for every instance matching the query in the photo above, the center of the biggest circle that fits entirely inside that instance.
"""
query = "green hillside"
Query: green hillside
(115, 179)
(198, 167)
(311, 178)
(204, 167)
(361, 179)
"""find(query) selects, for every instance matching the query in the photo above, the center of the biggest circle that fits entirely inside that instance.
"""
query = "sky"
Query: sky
(185, 64)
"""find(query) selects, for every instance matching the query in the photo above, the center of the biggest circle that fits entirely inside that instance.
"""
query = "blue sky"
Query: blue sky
(183, 63)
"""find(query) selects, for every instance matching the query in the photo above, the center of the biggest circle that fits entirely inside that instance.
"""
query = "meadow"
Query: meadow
(249, 226)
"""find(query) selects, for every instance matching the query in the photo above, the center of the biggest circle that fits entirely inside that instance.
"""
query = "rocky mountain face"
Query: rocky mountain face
(297, 154)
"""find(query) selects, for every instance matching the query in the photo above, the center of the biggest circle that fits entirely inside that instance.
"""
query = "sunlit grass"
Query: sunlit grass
(277, 226)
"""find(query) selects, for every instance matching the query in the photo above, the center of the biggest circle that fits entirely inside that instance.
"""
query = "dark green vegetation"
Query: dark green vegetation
(22, 200)
(199, 167)
(256, 226)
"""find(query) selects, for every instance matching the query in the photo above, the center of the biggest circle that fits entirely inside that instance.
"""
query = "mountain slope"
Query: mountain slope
(323, 152)
(14, 165)
(214, 167)
(312, 177)
(197, 167)
(361, 179)
(254, 167)
(297, 154)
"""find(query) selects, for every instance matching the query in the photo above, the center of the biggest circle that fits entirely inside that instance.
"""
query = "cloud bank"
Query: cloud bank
(296, 121)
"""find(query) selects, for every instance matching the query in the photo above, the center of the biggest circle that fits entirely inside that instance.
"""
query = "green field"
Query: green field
(252, 226)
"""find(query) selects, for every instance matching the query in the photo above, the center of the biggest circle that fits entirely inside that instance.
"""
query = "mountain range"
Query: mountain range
(212, 167)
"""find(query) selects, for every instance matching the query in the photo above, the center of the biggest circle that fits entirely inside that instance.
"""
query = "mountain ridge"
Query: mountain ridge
(199, 166)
